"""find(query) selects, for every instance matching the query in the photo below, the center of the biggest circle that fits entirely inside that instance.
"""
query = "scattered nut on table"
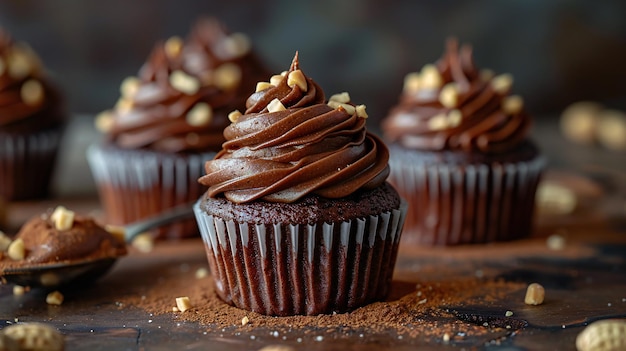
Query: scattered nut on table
(35, 337)
(604, 335)
(535, 294)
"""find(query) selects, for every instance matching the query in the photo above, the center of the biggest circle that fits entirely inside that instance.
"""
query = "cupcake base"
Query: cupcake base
(279, 268)
(27, 163)
(466, 199)
(135, 184)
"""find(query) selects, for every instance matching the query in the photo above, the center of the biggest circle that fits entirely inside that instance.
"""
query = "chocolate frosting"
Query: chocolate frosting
(211, 73)
(308, 148)
(28, 101)
(86, 239)
(478, 121)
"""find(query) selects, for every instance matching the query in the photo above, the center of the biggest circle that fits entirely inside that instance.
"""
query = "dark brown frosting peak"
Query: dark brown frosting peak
(180, 100)
(290, 143)
(454, 106)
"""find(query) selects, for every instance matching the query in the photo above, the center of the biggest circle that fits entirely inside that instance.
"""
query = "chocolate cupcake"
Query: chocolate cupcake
(32, 117)
(168, 121)
(460, 154)
(298, 217)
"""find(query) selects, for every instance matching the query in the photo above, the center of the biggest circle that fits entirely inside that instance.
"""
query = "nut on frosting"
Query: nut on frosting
(452, 105)
(290, 142)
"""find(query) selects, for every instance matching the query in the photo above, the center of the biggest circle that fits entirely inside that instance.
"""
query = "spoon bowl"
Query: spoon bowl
(55, 274)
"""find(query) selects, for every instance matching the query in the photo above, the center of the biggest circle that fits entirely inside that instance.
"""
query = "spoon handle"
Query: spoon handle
(166, 217)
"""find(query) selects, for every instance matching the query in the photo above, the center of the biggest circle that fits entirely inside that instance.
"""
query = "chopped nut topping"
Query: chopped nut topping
(236, 45)
(412, 82)
(276, 79)
(62, 218)
(512, 104)
(227, 76)
(18, 290)
(183, 303)
(343, 98)
(184, 83)
(200, 115)
(234, 116)
(5, 241)
(502, 83)
(104, 121)
(260, 86)
(360, 111)
(129, 87)
(438, 122)
(124, 105)
(275, 106)
(454, 118)
(175, 309)
(611, 129)
(143, 242)
(297, 78)
(245, 320)
(486, 75)
(449, 95)
(32, 92)
(535, 294)
(54, 298)
(346, 107)
(430, 78)
(18, 64)
(118, 232)
(16, 250)
(173, 47)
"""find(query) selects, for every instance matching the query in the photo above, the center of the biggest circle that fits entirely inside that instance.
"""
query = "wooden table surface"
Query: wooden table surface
(585, 280)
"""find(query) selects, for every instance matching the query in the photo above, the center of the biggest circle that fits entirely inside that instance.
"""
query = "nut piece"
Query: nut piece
(297, 78)
(54, 298)
(438, 122)
(412, 82)
(173, 47)
(512, 104)
(118, 232)
(277, 348)
(430, 78)
(124, 105)
(245, 320)
(227, 76)
(62, 218)
(535, 294)
(201, 273)
(502, 83)
(454, 118)
(19, 64)
(234, 116)
(346, 107)
(129, 86)
(32, 92)
(276, 79)
(611, 130)
(16, 250)
(275, 106)
(18, 290)
(143, 242)
(200, 115)
(183, 303)
(343, 98)
(578, 121)
(104, 121)
(5, 241)
(603, 335)
(260, 86)
(360, 111)
(449, 95)
(35, 337)
(555, 199)
(8, 344)
(184, 83)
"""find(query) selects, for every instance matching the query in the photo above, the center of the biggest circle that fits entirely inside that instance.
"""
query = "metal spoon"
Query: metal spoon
(50, 275)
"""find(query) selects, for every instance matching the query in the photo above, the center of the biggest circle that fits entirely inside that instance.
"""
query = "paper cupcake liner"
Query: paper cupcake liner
(302, 269)
(134, 184)
(464, 204)
(27, 163)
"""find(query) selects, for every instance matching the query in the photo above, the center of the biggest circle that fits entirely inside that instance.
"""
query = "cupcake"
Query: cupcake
(168, 121)
(460, 154)
(31, 122)
(298, 218)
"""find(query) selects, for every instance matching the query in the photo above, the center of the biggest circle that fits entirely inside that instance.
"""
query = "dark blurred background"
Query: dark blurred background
(558, 51)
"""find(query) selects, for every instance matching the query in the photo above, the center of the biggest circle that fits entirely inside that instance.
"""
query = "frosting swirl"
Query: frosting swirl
(454, 106)
(291, 143)
(180, 99)
(27, 99)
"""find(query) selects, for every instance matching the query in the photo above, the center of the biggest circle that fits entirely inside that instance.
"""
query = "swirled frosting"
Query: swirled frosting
(454, 106)
(291, 142)
(27, 99)
(181, 97)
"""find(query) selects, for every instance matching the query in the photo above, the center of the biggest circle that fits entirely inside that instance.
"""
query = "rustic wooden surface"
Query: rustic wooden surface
(584, 281)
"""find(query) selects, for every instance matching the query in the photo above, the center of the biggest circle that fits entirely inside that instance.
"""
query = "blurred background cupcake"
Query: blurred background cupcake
(298, 217)
(168, 121)
(32, 118)
(460, 154)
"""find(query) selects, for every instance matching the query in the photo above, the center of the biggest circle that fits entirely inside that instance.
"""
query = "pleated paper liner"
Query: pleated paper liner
(27, 163)
(452, 204)
(302, 269)
(134, 184)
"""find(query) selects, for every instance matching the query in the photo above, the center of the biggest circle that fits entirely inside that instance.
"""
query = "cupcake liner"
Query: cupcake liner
(135, 184)
(302, 269)
(27, 163)
(452, 204)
